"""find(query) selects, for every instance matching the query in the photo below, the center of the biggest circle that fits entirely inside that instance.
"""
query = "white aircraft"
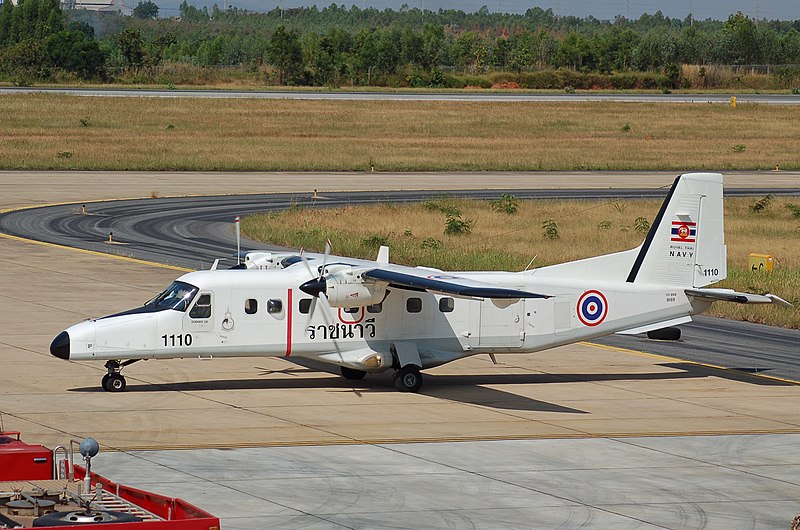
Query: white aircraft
(377, 316)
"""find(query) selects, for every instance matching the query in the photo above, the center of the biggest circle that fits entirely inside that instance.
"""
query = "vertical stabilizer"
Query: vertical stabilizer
(686, 243)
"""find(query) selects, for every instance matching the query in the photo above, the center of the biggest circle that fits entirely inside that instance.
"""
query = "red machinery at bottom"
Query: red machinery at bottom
(43, 488)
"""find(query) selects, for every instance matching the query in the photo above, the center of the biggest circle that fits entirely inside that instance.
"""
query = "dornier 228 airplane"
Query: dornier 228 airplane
(378, 316)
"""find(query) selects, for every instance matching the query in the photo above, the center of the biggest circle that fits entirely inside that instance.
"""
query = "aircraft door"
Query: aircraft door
(502, 324)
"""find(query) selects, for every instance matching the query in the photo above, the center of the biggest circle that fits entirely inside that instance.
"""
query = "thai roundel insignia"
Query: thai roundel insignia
(592, 308)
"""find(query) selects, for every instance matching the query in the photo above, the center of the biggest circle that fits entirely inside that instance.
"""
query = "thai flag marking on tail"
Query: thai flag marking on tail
(684, 231)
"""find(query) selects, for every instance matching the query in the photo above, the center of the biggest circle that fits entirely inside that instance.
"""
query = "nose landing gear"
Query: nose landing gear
(114, 381)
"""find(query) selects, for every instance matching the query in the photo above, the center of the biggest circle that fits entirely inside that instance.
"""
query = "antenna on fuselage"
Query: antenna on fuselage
(530, 263)
(238, 241)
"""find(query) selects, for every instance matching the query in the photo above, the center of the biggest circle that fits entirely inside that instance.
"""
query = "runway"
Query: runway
(345, 95)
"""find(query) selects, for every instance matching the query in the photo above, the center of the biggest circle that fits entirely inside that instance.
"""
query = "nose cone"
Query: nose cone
(60, 346)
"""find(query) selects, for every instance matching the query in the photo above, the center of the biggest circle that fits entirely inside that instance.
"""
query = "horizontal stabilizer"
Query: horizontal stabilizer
(446, 284)
(729, 295)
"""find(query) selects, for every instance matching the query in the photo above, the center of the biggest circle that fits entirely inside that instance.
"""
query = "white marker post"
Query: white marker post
(238, 241)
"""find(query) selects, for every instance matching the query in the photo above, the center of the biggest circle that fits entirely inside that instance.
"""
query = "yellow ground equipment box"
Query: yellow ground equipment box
(761, 262)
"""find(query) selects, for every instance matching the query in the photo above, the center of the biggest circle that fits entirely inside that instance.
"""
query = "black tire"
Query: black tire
(353, 374)
(115, 383)
(67, 518)
(665, 334)
(104, 382)
(408, 379)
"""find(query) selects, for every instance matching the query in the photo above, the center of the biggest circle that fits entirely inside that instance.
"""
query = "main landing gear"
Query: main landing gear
(114, 381)
(408, 379)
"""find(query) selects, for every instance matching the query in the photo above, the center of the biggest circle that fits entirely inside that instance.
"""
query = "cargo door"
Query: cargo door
(502, 324)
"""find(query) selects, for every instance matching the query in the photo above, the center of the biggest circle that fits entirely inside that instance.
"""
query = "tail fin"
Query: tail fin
(686, 243)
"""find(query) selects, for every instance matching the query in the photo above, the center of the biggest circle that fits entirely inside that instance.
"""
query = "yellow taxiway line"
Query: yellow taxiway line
(96, 253)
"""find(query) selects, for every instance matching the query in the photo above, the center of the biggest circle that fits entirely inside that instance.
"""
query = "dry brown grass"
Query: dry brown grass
(502, 242)
(228, 134)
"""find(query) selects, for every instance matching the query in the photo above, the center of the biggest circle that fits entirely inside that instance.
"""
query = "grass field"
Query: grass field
(47, 131)
(500, 241)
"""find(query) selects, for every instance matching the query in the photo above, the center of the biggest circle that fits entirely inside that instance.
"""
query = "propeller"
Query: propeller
(317, 286)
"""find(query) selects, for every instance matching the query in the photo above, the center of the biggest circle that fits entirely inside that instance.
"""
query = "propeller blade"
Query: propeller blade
(325, 258)
(311, 308)
(238, 242)
(328, 320)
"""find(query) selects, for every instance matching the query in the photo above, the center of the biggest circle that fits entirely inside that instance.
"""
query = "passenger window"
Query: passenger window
(274, 306)
(414, 305)
(375, 308)
(351, 310)
(446, 305)
(305, 305)
(202, 309)
(251, 306)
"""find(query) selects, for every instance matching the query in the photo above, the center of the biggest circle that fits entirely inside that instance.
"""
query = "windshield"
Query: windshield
(177, 296)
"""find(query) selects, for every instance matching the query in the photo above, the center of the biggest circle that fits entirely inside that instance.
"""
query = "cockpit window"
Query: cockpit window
(202, 309)
(290, 260)
(177, 296)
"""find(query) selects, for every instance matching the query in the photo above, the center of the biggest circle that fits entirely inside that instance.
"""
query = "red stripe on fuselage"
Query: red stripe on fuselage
(289, 309)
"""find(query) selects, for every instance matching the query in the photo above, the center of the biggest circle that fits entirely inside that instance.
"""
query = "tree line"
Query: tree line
(337, 45)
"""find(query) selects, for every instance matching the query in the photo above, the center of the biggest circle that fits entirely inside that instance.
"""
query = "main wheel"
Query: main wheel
(114, 383)
(104, 382)
(665, 334)
(408, 379)
(351, 373)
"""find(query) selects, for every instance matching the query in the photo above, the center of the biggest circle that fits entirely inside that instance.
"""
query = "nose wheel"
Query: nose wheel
(114, 381)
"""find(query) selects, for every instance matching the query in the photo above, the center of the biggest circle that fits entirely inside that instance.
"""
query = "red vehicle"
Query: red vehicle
(43, 488)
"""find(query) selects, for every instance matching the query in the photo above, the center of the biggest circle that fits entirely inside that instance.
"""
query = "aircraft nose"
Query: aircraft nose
(60, 346)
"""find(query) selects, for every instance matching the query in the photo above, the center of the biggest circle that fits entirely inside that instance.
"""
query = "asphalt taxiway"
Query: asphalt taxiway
(580, 436)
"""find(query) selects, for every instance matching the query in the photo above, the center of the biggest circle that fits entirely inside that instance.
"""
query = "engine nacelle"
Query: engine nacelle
(260, 260)
(347, 289)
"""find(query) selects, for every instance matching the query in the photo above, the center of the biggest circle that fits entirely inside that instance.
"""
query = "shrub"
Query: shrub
(506, 204)
(641, 224)
(456, 226)
(550, 229)
(375, 241)
(544, 79)
(795, 209)
(475, 81)
(761, 204)
(431, 243)
(449, 210)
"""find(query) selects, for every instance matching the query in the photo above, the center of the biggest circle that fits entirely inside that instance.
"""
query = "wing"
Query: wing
(443, 283)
